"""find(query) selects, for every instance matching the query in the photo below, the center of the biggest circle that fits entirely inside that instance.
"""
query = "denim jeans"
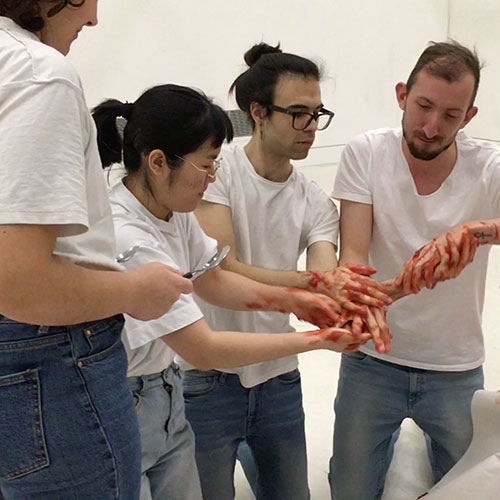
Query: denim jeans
(373, 398)
(268, 416)
(68, 428)
(169, 469)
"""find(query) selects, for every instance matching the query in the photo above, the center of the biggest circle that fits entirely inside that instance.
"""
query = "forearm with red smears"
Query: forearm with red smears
(443, 258)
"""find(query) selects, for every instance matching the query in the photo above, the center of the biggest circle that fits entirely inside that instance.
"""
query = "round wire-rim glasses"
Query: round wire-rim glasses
(302, 119)
(210, 173)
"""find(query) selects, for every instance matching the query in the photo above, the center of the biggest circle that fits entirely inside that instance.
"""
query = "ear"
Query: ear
(471, 113)
(157, 163)
(401, 95)
(257, 112)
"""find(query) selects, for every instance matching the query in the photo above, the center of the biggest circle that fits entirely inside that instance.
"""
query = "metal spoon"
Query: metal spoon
(219, 256)
(128, 254)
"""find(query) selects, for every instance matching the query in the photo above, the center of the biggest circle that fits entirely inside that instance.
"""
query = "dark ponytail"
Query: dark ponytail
(266, 65)
(109, 140)
(175, 119)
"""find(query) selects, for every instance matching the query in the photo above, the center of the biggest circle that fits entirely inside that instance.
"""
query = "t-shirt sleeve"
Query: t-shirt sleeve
(323, 217)
(352, 182)
(42, 174)
(183, 313)
(201, 246)
(219, 191)
(493, 184)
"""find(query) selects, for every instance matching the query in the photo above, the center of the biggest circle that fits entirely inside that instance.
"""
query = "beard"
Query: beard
(423, 153)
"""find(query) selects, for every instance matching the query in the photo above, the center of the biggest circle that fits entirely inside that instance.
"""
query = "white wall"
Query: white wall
(477, 23)
(366, 47)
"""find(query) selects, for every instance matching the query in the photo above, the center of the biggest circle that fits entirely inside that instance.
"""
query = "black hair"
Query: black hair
(266, 65)
(26, 13)
(175, 119)
(447, 60)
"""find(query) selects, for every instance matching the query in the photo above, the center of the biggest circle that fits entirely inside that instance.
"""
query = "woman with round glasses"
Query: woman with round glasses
(170, 146)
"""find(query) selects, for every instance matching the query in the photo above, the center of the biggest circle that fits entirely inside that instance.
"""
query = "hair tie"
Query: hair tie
(126, 110)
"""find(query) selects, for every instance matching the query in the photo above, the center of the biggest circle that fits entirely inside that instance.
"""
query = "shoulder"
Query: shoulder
(309, 187)
(27, 60)
(481, 147)
(374, 139)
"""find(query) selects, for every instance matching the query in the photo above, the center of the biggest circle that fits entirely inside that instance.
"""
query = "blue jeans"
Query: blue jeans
(268, 416)
(68, 428)
(168, 464)
(373, 398)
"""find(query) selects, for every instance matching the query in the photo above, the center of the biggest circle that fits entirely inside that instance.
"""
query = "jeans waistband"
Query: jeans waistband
(145, 382)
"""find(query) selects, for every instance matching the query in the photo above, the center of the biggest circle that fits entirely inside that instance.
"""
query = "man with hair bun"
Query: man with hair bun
(269, 214)
(400, 189)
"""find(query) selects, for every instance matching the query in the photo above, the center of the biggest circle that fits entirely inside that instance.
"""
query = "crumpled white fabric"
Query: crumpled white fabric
(477, 474)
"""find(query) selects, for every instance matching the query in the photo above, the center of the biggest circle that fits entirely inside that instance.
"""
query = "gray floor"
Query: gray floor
(409, 474)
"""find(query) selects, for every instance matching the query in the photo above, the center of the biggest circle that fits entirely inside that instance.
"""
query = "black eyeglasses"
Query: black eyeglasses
(302, 119)
(60, 6)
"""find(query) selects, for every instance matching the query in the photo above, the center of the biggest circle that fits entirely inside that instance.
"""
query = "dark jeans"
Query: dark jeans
(68, 428)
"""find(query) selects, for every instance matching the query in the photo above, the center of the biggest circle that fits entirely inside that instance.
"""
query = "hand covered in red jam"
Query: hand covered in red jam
(351, 286)
(337, 339)
(373, 322)
(445, 257)
(315, 308)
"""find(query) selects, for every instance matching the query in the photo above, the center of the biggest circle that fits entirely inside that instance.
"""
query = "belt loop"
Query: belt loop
(43, 329)
(222, 377)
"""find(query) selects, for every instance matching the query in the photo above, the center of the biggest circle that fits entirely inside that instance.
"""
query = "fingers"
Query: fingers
(360, 269)
(453, 250)
(350, 306)
(357, 325)
(375, 331)
(370, 295)
(430, 266)
(442, 270)
(385, 334)
(360, 301)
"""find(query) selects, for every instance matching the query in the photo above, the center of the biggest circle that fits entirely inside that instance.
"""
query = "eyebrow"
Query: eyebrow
(304, 107)
(428, 101)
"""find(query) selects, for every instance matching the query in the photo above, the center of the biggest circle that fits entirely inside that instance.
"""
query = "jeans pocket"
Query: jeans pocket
(199, 384)
(289, 377)
(21, 432)
(102, 335)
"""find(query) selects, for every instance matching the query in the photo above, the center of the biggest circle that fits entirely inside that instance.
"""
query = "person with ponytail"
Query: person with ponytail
(170, 151)
(269, 213)
(68, 428)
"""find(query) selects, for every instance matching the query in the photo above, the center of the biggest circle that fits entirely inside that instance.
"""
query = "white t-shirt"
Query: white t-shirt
(273, 223)
(50, 171)
(179, 243)
(437, 329)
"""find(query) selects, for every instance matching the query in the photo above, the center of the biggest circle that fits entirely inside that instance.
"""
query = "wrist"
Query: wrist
(484, 231)
(316, 281)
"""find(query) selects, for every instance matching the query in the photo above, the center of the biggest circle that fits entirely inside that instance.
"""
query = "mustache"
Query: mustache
(422, 135)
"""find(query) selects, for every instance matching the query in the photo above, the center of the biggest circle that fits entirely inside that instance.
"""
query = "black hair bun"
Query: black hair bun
(253, 54)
